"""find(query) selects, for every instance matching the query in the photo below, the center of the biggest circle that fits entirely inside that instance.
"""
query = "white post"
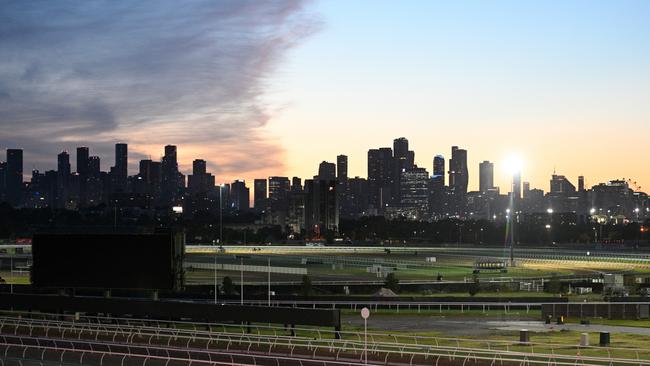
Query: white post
(269, 281)
(241, 275)
(365, 314)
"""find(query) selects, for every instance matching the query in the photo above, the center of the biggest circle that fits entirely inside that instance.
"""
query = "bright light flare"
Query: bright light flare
(513, 164)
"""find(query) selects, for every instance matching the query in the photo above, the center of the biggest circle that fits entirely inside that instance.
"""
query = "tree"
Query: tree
(392, 282)
(306, 287)
(475, 286)
(228, 286)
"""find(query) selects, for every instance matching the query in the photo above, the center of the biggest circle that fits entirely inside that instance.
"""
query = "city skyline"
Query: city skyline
(561, 85)
(479, 178)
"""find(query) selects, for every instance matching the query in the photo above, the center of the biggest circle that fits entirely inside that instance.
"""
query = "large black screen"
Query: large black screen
(113, 261)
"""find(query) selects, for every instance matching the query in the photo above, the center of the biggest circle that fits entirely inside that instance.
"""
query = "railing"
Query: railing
(140, 337)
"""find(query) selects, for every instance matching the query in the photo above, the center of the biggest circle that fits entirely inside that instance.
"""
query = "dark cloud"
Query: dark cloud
(190, 73)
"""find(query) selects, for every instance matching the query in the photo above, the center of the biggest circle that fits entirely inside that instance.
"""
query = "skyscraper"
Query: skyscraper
(381, 173)
(170, 176)
(458, 172)
(439, 170)
(278, 193)
(414, 187)
(14, 176)
(486, 176)
(63, 179)
(83, 154)
(239, 196)
(121, 159)
(342, 168)
(327, 171)
(259, 194)
(403, 160)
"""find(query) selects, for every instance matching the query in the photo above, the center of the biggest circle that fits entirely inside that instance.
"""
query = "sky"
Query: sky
(274, 88)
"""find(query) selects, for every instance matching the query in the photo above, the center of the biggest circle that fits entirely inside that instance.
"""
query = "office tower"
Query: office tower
(414, 192)
(526, 189)
(119, 172)
(94, 190)
(581, 183)
(121, 159)
(14, 176)
(403, 161)
(63, 164)
(381, 170)
(296, 184)
(438, 199)
(278, 201)
(259, 194)
(321, 207)
(458, 173)
(278, 193)
(327, 171)
(199, 167)
(439, 170)
(63, 179)
(516, 186)
(200, 182)
(342, 167)
(239, 196)
(170, 176)
(560, 184)
(486, 176)
(83, 159)
(83, 155)
(357, 197)
(94, 165)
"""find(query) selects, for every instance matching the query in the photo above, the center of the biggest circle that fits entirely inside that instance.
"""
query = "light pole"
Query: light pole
(241, 280)
(550, 225)
(269, 280)
(216, 286)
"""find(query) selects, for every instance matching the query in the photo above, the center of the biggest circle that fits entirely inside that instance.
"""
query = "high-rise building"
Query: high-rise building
(581, 183)
(403, 160)
(342, 167)
(458, 172)
(239, 196)
(94, 165)
(83, 155)
(516, 186)
(458, 180)
(259, 195)
(14, 176)
(63, 179)
(170, 184)
(327, 171)
(414, 188)
(296, 184)
(278, 193)
(321, 207)
(119, 173)
(121, 159)
(200, 182)
(439, 169)
(560, 184)
(381, 170)
(486, 176)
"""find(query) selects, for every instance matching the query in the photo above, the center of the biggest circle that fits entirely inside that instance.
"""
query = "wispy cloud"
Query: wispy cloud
(190, 73)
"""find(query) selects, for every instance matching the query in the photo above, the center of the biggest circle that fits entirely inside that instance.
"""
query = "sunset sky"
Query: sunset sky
(274, 88)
